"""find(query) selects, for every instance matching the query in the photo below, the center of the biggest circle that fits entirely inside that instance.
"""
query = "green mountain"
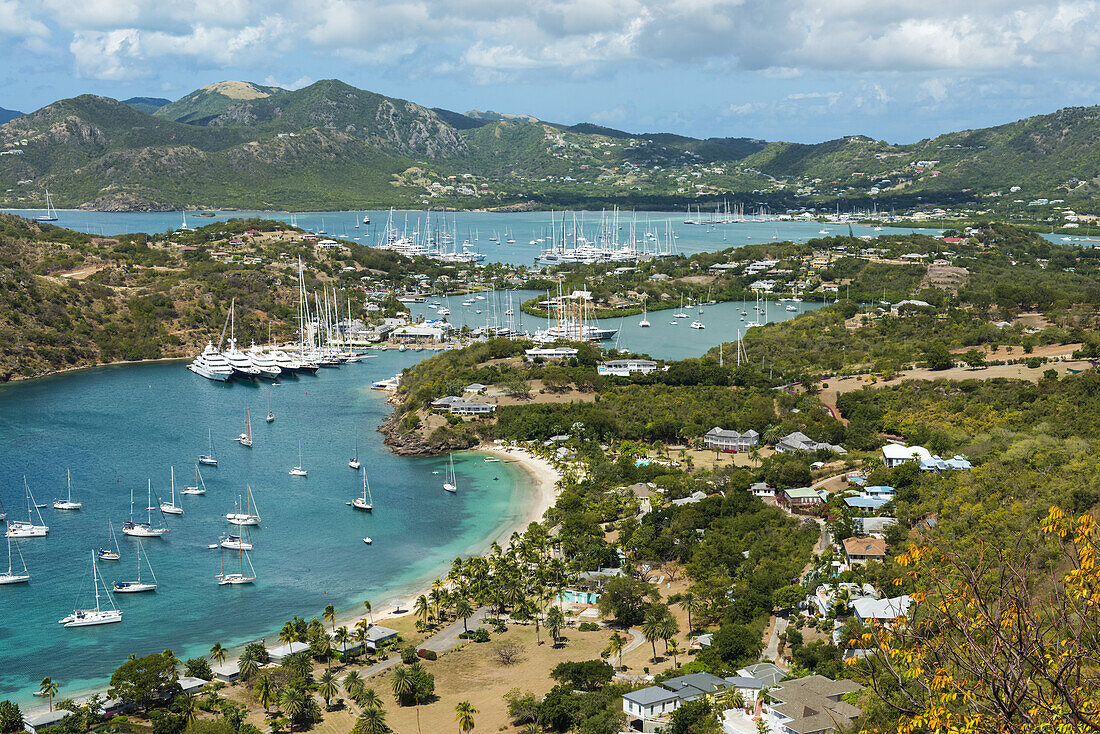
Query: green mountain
(216, 101)
(146, 104)
(6, 115)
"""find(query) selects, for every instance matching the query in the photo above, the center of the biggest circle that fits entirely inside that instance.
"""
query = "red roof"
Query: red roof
(953, 240)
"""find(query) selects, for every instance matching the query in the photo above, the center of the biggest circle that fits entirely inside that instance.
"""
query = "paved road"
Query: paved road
(444, 640)
(771, 652)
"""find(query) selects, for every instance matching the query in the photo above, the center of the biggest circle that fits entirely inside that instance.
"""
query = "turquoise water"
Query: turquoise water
(478, 227)
(661, 339)
(117, 426)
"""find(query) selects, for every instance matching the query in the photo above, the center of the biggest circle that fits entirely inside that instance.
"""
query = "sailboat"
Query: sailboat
(106, 554)
(208, 459)
(20, 529)
(251, 514)
(680, 314)
(366, 502)
(11, 577)
(143, 529)
(51, 213)
(245, 439)
(299, 471)
(91, 617)
(234, 542)
(133, 587)
(644, 323)
(200, 485)
(450, 484)
(354, 463)
(237, 578)
(270, 415)
(172, 508)
(67, 504)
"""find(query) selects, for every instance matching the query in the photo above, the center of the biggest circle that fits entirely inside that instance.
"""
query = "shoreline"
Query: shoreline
(81, 368)
(543, 478)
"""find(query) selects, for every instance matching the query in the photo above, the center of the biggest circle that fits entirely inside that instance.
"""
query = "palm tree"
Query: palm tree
(671, 649)
(369, 699)
(218, 653)
(410, 682)
(651, 629)
(615, 647)
(689, 603)
(366, 604)
(186, 704)
(48, 688)
(330, 616)
(372, 721)
(554, 621)
(422, 609)
(341, 637)
(326, 686)
(265, 691)
(353, 684)
(464, 715)
(464, 609)
(669, 629)
(289, 635)
(247, 666)
(292, 701)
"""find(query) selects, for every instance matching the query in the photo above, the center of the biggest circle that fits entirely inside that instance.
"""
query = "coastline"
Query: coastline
(83, 367)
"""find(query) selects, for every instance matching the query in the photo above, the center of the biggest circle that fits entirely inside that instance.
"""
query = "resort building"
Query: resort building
(762, 489)
(552, 353)
(626, 367)
(799, 441)
(730, 441)
(416, 333)
(457, 406)
(861, 550)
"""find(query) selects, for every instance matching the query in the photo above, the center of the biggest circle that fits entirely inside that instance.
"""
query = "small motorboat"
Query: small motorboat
(368, 541)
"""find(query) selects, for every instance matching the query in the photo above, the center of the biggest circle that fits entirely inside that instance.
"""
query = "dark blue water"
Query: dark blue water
(117, 427)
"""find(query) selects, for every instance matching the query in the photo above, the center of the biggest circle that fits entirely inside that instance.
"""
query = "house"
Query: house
(767, 673)
(861, 550)
(461, 407)
(805, 496)
(881, 610)
(799, 441)
(378, 635)
(552, 353)
(626, 367)
(476, 387)
(730, 441)
(189, 684)
(749, 688)
(895, 454)
(861, 502)
(226, 672)
(812, 705)
(648, 708)
(418, 333)
(762, 489)
(874, 526)
(39, 720)
(879, 490)
(691, 499)
(647, 704)
(954, 463)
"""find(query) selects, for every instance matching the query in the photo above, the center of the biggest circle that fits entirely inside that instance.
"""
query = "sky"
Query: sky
(799, 70)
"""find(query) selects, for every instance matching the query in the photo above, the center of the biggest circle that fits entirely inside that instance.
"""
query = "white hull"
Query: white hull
(354, 464)
(450, 487)
(14, 578)
(238, 519)
(233, 579)
(139, 531)
(193, 490)
(62, 505)
(360, 504)
(236, 544)
(132, 587)
(26, 530)
(91, 617)
(171, 510)
(204, 371)
(207, 461)
(296, 472)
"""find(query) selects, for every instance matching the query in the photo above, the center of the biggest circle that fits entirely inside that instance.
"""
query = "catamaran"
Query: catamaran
(208, 459)
(91, 617)
(106, 554)
(250, 516)
(354, 463)
(698, 325)
(20, 529)
(299, 471)
(143, 529)
(245, 439)
(199, 487)
(134, 587)
(67, 504)
(51, 213)
(450, 484)
(171, 508)
(644, 323)
(237, 578)
(366, 502)
(11, 577)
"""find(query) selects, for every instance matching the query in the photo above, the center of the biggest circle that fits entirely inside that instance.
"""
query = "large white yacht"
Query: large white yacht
(286, 362)
(240, 362)
(211, 364)
(264, 362)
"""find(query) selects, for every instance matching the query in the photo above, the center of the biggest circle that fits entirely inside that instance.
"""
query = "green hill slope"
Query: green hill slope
(148, 105)
(215, 101)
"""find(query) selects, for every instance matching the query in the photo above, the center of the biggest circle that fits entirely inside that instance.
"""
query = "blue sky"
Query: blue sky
(804, 70)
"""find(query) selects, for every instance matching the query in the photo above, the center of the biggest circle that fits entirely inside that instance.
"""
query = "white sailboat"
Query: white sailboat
(450, 484)
(644, 323)
(20, 529)
(11, 577)
(366, 502)
(354, 463)
(134, 587)
(235, 542)
(225, 579)
(245, 439)
(143, 529)
(91, 617)
(199, 486)
(299, 471)
(208, 459)
(171, 508)
(67, 504)
(251, 514)
(106, 554)
(51, 213)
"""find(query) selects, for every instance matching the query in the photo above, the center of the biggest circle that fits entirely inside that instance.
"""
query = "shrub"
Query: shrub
(408, 655)
(589, 627)
(427, 654)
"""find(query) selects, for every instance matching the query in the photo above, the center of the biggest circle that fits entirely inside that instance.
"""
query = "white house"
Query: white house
(550, 353)
(881, 610)
(799, 441)
(626, 367)
(895, 454)
(730, 441)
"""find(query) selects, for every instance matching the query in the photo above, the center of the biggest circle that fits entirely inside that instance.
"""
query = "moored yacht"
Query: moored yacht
(67, 504)
(269, 369)
(240, 361)
(211, 364)
(20, 529)
(92, 617)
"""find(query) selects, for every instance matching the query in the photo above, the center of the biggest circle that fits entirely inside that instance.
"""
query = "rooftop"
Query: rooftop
(865, 547)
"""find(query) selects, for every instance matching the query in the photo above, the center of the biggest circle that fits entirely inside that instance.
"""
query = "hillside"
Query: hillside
(6, 115)
(213, 101)
(148, 105)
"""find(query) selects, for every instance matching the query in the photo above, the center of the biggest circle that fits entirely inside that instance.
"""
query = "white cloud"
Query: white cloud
(304, 81)
(16, 20)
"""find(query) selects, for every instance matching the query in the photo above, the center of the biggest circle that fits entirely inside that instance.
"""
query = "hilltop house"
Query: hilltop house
(811, 705)
(895, 454)
(458, 406)
(881, 610)
(648, 709)
(730, 441)
(626, 367)
(861, 550)
(799, 441)
(804, 496)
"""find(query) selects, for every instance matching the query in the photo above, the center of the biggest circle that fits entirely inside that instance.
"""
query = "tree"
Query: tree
(554, 622)
(143, 680)
(353, 684)
(292, 701)
(615, 647)
(975, 358)
(264, 691)
(185, 707)
(247, 666)
(341, 636)
(11, 718)
(587, 675)
(330, 616)
(218, 653)
(464, 715)
(689, 602)
(651, 629)
(413, 685)
(422, 609)
(464, 609)
(625, 599)
(788, 597)
(326, 686)
(198, 668)
(669, 628)
(369, 699)
(289, 634)
(49, 689)
(371, 721)
(733, 644)
(936, 357)
(367, 606)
